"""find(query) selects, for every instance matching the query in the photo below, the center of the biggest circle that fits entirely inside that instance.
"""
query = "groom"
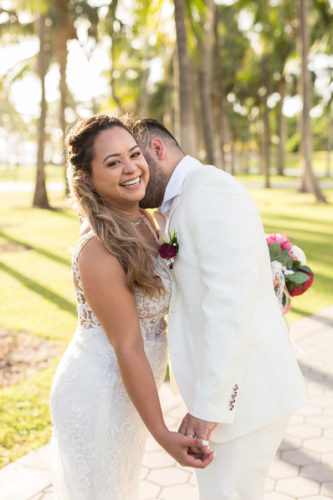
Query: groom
(228, 342)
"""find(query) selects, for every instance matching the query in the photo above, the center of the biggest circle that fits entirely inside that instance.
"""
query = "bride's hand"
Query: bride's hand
(178, 446)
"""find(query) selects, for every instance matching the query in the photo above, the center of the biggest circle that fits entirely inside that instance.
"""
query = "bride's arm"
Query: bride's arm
(105, 289)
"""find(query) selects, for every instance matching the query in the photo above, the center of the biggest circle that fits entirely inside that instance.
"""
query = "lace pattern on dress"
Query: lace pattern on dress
(86, 316)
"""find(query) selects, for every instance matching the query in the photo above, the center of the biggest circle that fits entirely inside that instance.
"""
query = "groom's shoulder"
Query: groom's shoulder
(211, 178)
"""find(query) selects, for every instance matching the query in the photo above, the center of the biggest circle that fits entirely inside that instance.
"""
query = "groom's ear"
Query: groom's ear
(158, 148)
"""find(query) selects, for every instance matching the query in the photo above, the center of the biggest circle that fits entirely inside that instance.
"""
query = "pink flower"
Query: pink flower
(167, 251)
(279, 238)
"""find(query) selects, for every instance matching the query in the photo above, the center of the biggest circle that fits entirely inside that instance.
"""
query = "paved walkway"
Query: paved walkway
(304, 464)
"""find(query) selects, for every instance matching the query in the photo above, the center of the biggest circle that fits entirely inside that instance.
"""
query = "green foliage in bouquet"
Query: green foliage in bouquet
(298, 275)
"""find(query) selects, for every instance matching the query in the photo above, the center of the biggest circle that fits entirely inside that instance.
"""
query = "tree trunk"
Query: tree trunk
(282, 129)
(204, 77)
(40, 195)
(243, 159)
(310, 179)
(266, 127)
(113, 83)
(175, 96)
(186, 103)
(62, 59)
(144, 90)
(112, 17)
(329, 143)
(170, 112)
(222, 121)
(232, 156)
(302, 185)
(265, 82)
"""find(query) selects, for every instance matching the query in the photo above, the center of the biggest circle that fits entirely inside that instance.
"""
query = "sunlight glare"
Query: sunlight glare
(12, 54)
(20, 89)
(84, 75)
(292, 105)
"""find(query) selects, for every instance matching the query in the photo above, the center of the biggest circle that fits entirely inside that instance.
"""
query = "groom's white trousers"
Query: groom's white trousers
(240, 467)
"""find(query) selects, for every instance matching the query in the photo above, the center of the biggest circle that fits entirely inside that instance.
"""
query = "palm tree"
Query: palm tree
(311, 182)
(282, 127)
(260, 11)
(230, 48)
(14, 29)
(40, 198)
(63, 17)
(329, 139)
(284, 47)
(205, 46)
(114, 35)
(63, 30)
(222, 119)
(265, 75)
(265, 119)
(186, 102)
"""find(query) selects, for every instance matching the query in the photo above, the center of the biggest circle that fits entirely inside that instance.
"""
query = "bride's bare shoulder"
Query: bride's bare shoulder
(95, 260)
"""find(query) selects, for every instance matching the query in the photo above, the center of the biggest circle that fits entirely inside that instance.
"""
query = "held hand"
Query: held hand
(196, 427)
(179, 446)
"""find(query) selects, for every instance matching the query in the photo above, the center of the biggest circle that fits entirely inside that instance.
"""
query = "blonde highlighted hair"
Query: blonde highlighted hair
(110, 225)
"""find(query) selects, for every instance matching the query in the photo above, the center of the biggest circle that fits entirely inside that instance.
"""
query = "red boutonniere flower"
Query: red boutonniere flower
(169, 249)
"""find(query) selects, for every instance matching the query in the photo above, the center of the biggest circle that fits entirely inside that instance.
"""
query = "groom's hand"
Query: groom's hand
(196, 427)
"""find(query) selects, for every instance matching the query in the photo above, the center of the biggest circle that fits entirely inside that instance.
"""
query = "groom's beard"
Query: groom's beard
(156, 185)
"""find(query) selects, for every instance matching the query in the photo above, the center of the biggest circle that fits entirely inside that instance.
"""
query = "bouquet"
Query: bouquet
(291, 276)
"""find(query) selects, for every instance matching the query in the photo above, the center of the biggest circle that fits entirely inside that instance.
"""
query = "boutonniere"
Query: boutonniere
(169, 249)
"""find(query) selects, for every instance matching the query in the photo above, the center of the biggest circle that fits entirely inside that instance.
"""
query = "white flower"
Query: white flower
(298, 252)
(276, 266)
(288, 271)
(278, 279)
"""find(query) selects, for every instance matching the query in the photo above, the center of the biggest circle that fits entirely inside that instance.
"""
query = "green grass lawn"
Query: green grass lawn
(277, 180)
(37, 295)
(17, 173)
(319, 161)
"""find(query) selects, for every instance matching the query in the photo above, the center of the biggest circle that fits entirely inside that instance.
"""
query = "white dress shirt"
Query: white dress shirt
(175, 184)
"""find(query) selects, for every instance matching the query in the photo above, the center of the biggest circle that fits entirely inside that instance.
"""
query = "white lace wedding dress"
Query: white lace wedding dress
(98, 437)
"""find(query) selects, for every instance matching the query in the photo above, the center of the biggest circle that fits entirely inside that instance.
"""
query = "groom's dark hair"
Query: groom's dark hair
(146, 129)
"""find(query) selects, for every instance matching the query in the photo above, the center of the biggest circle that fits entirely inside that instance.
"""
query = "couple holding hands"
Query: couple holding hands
(227, 341)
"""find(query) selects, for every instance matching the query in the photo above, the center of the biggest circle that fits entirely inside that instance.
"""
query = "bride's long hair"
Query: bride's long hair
(112, 228)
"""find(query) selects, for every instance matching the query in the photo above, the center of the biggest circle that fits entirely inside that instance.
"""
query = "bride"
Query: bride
(104, 394)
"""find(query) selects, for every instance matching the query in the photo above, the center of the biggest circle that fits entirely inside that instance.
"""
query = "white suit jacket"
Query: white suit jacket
(229, 344)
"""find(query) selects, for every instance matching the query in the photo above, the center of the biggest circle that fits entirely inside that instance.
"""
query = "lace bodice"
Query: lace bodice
(151, 310)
